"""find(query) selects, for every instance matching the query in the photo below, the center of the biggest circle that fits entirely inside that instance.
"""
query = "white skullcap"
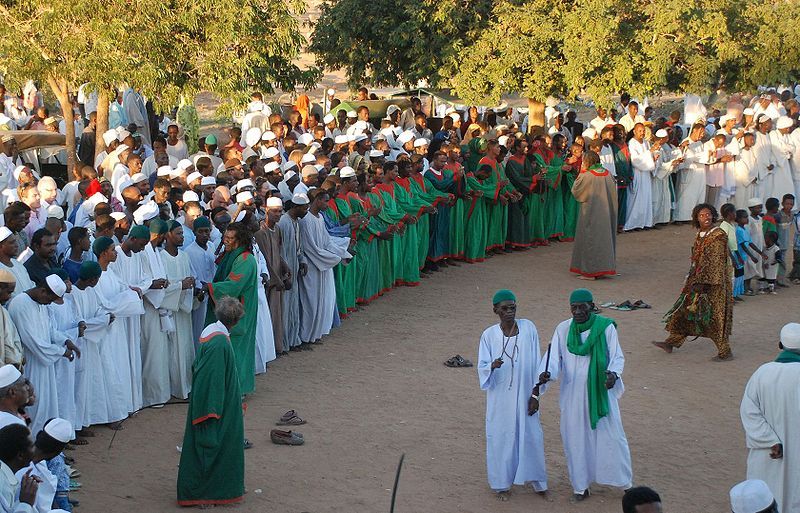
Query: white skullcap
(271, 152)
(313, 147)
(54, 211)
(190, 196)
(751, 496)
(56, 285)
(328, 119)
(360, 137)
(208, 180)
(7, 138)
(7, 276)
(96, 199)
(288, 165)
(241, 184)
(274, 202)
(309, 171)
(163, 171)
(8, 375)
(790, 336)
(147, 211)
(109, 136)
(352, 114)
(340, 139)
(138, 178)
(307, 158)
(117, 216)
(252, 136)
(375, 153)
(754, 202)
(331, 91)
(288, 175)
(405, 137)
(269, 135)
(184, 164)
(243, 197)
(421, 142)
(784, 122)
(4, 233)
(194, 175)
(121, 148)
(347, 172)
(748, 112)
(300, 199)
(255, 106)
(122, 135)
(378, 137)
(176, 173)
(240, 216)
(502, 141)
(391, 109)
(319, 167)
(589, 133)
(662, 133)
(305, 138)
(724, 119)
(59, 429)
(272, 166)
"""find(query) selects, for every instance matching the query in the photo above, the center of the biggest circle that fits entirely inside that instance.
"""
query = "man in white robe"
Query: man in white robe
(766, 159)
(67, 326)
(591, 426)
(692, 177)
(665, 155)
(265, 343)
(317, 288)
(640, 192)
(783, 149)
(41, 344)
(746, 173)
(770, 414)
(202, 266)
(508, 360)
(292, 253)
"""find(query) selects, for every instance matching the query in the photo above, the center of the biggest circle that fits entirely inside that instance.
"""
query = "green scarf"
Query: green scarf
(595, 347)
(788, 357)
(226, 264)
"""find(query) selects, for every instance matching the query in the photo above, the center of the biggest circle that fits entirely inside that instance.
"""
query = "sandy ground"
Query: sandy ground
(378, 389)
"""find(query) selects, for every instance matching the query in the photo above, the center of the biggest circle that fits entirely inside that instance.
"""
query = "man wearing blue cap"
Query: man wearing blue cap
(508, 359)
(585, 351)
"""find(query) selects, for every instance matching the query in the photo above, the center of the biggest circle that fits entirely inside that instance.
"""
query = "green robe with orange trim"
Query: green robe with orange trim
(553, 198)
(344, 276)
(458, 214)
(424, 189)
(520, 176)
(370, 278)
(407, 268)
(571, 206)
(211, 468)
(477, 218)
(390, 252)
(237, 276)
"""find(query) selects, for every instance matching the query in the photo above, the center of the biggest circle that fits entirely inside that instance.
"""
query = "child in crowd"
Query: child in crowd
(768, 222)
(772, 260)
(745, 252)
(753, 269)
(785, 221)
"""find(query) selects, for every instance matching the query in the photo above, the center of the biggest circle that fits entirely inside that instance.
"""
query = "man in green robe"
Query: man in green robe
(445, 181)
(479, 187)
(622, 165)
(211, 470)
(237, 277)
(520, 175)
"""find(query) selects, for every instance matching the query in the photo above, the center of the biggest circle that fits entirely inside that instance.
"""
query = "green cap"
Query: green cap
(158, 227)
(201, 222)
(211, 139)
(101, 244)
(581, 296)
(503, 295)
(139, 231)
(90, 269)
(173, 225)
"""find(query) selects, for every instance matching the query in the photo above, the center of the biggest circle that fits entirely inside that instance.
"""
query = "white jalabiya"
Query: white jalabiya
(514, 440)
(48, 485)
(181, 343)
(102, 386)
(780, 181)
(157, 323)
(764, 157)
(770, 415)
(795, 138)
(746, 173)
(64, 320)
(317, 288)
(691, 187)
(265, 343)
(42, 350)
(201, 263)
(129, 273)
(24, 281)
(754, 269)
(607, 159)
(662, 186)
(597, 455)
(640, 192)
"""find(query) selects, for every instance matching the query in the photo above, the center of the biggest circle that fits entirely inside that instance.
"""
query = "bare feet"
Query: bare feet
(663, 345)
(719, 358)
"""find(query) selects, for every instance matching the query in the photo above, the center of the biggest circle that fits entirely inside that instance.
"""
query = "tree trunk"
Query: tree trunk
(535, 117)
(60, 89)
(101, 121)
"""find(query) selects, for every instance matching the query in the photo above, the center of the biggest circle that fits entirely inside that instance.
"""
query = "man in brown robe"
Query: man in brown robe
(269, 242)
(594, 251)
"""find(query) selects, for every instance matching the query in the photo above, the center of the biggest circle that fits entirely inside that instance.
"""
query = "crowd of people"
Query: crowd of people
(109, 280)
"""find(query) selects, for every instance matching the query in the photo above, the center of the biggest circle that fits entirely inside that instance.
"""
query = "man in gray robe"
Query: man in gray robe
(291, 254)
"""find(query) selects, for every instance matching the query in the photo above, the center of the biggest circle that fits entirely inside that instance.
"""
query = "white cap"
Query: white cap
(8, 374)
(421, 142)
(271, 152)
(109, 136)
(241, 184)
(274, 202)
(288, 175)
(138, 177)
(784, 122)
(502, 141)
(117, 216)
(184, 164)
(347, 172)
(272, 166)
(455, 117)
(328, 119)
(54, 211)
(391, 109)
(308, 158)
(147, 211)
(375, 153)
(252, 136)
(309, 171)
(56, 285)
(748, 112)
(96, 199)
(305, 138)
(208, 180)
(288, 165)
(4, 233)
(590, 133)
(122, 135)
(340, 139)
(190, 196)
(405, 137)
(725, 118)
(662, 133)
(121, 148)
(352, 114)
(194, 175)
(59, 429)
(360, 137)
(331, 91)
(240, 216)
(300, 199)
(269, 135)
(255, 106)
(754, 202)
(176, 173)
(319, 167)
(243, 197)
(163, 171)
(751, 496)
(790, 336)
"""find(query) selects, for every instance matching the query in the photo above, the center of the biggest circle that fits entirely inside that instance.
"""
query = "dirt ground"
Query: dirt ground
(378, 389)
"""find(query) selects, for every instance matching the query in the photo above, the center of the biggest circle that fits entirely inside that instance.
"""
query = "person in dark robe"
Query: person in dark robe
(270, 243)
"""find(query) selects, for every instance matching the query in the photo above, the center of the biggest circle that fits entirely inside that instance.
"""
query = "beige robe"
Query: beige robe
(11, 347)
(269, 242)
(594, 251)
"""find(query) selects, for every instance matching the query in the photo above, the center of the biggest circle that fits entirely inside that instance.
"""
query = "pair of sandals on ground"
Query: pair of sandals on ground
(281, 437)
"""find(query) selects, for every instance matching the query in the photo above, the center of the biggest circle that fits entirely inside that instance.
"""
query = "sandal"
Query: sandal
(290, 418)
(458, 361)
(641, 304)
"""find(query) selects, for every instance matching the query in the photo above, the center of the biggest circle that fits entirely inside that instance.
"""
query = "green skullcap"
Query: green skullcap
(139, 231)
(581, 296)
(90, 270)
(482, 144)
(201, 222)
(101, 244)
(158, 226)
(172, 225)
(503, 295)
